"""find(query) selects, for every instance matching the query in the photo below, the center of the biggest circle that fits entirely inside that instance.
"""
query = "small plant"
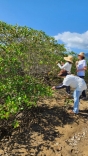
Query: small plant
(15, 124)
(68, 102)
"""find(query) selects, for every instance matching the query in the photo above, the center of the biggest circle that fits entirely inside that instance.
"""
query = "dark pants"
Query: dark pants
(83, 93)
(68, 89)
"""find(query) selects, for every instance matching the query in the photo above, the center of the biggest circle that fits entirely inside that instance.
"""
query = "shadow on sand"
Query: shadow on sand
(42, 120)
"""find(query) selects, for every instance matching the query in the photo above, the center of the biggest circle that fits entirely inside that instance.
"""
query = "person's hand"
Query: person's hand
(76, 63)
(56, 62)
(62, 63)
(78, 70)
(53, 88)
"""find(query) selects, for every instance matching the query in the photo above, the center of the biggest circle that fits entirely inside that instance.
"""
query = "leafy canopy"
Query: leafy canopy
(26, 56)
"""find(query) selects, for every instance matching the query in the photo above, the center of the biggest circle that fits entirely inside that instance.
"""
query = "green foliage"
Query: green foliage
(74, 62)
(15, 124)
(68, 102)
(18, 92)
(26, 56)
(36, 51)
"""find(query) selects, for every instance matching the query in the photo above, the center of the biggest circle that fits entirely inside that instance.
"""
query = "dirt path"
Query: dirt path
(48, 130)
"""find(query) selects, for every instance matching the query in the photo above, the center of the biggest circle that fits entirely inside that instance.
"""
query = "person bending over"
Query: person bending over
(78, 84)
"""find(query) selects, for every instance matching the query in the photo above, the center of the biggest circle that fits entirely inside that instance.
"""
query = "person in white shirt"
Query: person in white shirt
(66, 69)
(81, 67)
(78, 84)
(67, 66)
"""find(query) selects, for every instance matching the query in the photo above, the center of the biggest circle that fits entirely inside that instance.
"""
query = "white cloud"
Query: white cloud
(74, 40)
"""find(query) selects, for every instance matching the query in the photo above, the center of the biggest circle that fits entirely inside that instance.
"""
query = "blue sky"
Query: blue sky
(67, 20)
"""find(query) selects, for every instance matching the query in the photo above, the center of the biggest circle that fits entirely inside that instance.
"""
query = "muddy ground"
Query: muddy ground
(48, 130)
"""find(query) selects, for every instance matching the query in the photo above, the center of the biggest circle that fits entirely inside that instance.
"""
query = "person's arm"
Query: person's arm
(64, 66)
(66, 82)
(59, 87)
(76, 64)
(84, 67)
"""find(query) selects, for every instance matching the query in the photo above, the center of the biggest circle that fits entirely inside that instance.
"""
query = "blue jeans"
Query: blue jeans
(76, 96)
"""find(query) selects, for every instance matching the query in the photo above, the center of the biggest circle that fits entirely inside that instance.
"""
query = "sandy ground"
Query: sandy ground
(48, 130)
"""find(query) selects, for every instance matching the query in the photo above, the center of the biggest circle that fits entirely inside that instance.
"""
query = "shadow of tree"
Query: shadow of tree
(34, 123)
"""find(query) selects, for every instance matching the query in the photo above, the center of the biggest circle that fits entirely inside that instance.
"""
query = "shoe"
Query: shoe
(83, 97)
(71, 112)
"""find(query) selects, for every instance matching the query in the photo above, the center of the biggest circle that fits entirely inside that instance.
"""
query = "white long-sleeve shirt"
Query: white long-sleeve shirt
(81, 64)
(67, 66)
(75, 82)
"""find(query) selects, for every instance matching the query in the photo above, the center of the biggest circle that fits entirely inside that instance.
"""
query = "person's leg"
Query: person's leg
(76, 101)
(68, 89)
(84, 93)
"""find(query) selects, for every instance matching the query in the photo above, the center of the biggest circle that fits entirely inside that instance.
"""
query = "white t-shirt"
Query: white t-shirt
(75, 82)
(67, 66)
(81, 64)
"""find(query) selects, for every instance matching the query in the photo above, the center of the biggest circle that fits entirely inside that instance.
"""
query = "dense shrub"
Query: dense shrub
(27, 60)
(27, 56)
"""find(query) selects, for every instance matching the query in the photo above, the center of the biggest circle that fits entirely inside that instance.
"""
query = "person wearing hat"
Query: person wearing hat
(81, 67)
(66, 69)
